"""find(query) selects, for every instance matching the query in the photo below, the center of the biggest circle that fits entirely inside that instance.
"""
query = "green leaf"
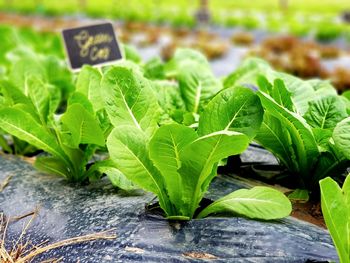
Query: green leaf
(346, 102)
(324, 86)
(83, 127)
(55, 98)
(329, 164)
(89, 84)
(22, 147)
(58, 74)
(303, 140)
(165, 148)
(52, 165)
(325, 112)
(257, 203)
(346, 191)
(281, 95)
(130, 53)
(80, 98)
(322, 138)
(301, 91)
(247, 72)
(40, 97)
(183, 55)
(275, 138)
(127, 146)
(196, 80)
(130, 99)
(299, 195)
(28, 108)
(154, 69)
(235, 109)
(341, 137)
(198, 85)
(23, 126)
(170, 101)
(199, 160)
(336, 214)
(12, 94)
(4, 144)
(23, 68)
(169, 96)
(117, 178)
(346, 94)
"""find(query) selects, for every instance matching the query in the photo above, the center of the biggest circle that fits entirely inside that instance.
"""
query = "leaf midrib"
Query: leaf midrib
(205, 166)
(177, 155)
(235, 116)
(198, 97)
(325, 116)
(280, 142)
(200, 179)
(160, 192)
(239, 199)
(304, 157)
(334, 228)
(129, 110)
(53, 151)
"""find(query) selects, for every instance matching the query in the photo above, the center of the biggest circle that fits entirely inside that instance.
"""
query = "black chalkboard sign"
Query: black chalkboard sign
(93, 45)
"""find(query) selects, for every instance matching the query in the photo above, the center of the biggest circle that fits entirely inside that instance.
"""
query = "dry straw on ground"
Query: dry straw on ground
(5, 183)
(24, 251)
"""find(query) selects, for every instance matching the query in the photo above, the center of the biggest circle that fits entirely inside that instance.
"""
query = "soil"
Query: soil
(309, 212)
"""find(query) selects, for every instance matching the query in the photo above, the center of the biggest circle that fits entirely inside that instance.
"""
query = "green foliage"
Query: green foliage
(341, 137)
(197, 84)
(328, 31)
(15, 38)
(70, 139)
(251, 15)
(305, 122)
(129, 99)
(303, 142)
(335, 202)
(249, 203)
(130, 53)
(155, 69)
(299, 195)
(170, 100)
(249, 22)
(27, 71)
(176, 162)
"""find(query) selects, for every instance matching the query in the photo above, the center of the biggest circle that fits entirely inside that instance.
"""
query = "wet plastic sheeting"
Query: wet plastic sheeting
(255, 154)
(67, 211)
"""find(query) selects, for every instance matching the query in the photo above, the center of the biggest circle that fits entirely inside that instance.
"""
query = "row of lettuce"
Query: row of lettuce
(166, 127)
(321, 26)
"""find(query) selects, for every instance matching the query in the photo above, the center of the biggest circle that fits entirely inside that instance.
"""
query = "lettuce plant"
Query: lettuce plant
(335, 202)
(176, 162)
(305, 143)
(70, 139)
(20, 64)
(10, 95)
(304, 123)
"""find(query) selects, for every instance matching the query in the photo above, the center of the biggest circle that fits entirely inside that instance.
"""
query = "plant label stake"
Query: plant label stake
(93, 45)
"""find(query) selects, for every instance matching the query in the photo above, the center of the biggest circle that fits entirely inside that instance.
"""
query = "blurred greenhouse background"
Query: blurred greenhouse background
(306, 38)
